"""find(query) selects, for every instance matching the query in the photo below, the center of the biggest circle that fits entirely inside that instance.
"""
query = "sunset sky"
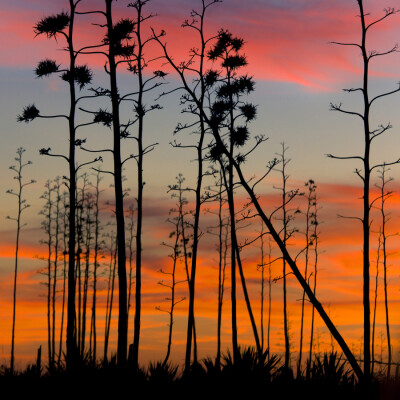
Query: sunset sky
(297, 73)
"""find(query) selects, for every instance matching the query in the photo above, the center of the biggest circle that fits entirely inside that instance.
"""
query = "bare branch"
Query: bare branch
(384, 95)
(346, 44)
(90, 12)
(47, 153)
(351, 90)
(336, 107)
(88, 163)
(374, 53)
(388, 12)
(103, 171)
(377, 132)
(358, 172)
(96, 151)
(270, 167)
(384, 164)
(345, 157)
(347, 217)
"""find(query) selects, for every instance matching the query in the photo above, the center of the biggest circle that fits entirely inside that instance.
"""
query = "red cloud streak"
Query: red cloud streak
(285, 43)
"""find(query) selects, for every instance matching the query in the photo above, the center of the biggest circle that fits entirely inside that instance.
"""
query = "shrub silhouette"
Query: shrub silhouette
(331, 370)
(249, 366)
(161, 374)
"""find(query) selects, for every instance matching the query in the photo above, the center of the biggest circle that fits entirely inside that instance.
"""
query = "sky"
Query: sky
(298, 73)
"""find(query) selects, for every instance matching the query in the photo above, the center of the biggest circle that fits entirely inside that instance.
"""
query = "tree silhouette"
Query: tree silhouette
(87, 201)
(48, 227)
(131, 212)
(110, 290)
(223, 229)
(57, 232)
(116, 51)
(217, 117)
(22, 206)
(227, 110)
(55, 26)
(315, 241)
(384, 195)
(138, 66)
(378, 253)
(64, 222)
(250, 189)
(261, 267)
(80, 252)
(310, 196)
(364, 174)
(186, 241)
(176, 255)
(116, 34)
(97, 248)
(287, 232)
(119, 50)
(269, 297)
(196, 64)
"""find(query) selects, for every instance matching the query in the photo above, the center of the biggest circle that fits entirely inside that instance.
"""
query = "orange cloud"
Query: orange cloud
(339, 281)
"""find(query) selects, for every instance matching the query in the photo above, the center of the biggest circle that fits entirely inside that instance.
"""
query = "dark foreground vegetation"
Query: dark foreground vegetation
(327, 377)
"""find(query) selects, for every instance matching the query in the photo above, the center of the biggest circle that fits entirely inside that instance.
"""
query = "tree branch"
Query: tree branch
(335, 107)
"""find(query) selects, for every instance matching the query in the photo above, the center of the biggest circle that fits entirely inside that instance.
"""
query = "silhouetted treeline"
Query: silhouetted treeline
(85, 252)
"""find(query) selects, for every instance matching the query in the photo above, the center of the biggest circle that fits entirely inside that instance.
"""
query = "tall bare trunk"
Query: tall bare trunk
(185, 241)
(191, 319)
(384, 195)
(22, 205)
(65, 264)
(131, 225)
(375, 302)
(119, 202)
(310, 200)
(93, 327)
(110, 293)
(222, 251)
(72, 350)
(262, 268)
(48, 227)
(285, 234)
(140, 185)
(269, 297)
(247, 300)
(366, 202)
(55, 276)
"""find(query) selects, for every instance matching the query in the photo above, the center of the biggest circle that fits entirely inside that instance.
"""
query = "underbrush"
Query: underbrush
(244, 376)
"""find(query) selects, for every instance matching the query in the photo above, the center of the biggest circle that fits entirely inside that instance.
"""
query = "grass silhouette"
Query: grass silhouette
(326, 377)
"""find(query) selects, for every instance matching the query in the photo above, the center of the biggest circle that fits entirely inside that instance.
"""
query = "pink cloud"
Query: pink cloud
(287, 43)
